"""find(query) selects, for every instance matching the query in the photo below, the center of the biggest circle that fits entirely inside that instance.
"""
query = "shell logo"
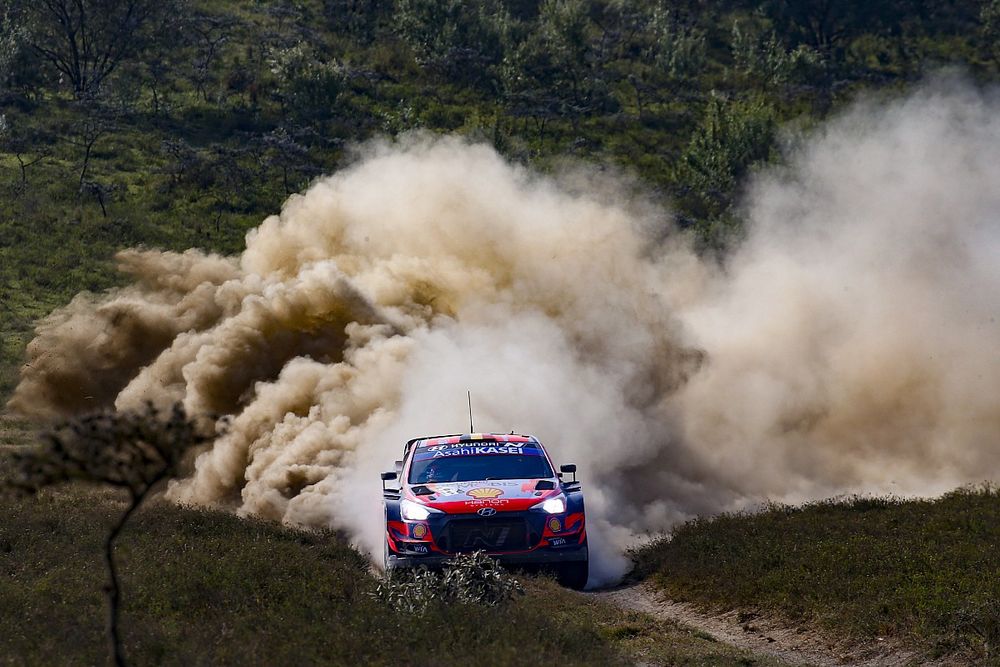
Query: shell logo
(419, 530)
(485, 492)
(555, 525)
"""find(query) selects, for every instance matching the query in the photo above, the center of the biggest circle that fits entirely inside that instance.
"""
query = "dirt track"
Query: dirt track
(765, 637)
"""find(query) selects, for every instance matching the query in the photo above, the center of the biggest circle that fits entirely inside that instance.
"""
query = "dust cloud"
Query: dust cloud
(850, 343)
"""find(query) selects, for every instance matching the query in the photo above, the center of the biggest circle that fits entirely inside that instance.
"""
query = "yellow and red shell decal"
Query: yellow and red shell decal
(484, 492)
(419, 531)
(555, 525)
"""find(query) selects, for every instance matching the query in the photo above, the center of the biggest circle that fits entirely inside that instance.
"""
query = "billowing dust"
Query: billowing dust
(851, 343)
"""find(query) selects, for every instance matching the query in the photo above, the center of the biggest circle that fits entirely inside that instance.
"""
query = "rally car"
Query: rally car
(491, 492)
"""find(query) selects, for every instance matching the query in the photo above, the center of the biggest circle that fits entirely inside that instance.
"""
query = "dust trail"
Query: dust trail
(855, 342)
(851, 343)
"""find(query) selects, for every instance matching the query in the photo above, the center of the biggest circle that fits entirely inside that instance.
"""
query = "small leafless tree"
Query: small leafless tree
(130, 450)
(102, 192)
(211, 34)
(27, 148)
(94, 121)
(282, 152)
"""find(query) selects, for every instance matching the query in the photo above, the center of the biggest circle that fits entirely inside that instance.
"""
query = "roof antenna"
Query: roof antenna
(471, 427)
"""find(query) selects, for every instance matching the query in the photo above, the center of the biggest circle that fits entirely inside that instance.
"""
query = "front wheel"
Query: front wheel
(573, 575)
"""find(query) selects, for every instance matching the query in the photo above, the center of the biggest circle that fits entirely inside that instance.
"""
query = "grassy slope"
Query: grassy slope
(206, 587)
(926, 571)
(56, 241)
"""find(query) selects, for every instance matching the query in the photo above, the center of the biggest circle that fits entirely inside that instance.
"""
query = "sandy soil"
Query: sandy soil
(763, 636)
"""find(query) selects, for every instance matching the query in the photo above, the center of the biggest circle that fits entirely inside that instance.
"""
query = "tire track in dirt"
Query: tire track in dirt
(760, 635)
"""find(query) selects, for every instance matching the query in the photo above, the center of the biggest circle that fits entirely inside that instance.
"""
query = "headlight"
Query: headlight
(555, 505)
(415, 511)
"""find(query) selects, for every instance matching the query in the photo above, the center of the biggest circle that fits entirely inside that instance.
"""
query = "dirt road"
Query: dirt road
(762, 636)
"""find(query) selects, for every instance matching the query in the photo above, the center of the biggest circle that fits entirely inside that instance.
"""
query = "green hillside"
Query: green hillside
(182, 123)
(205, 587)
(923, 571)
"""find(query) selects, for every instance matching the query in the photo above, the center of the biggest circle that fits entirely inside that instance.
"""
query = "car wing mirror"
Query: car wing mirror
(568, 468)
(388, 477)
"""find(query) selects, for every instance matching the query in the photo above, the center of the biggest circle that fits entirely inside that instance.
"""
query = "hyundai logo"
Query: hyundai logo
(486, 511)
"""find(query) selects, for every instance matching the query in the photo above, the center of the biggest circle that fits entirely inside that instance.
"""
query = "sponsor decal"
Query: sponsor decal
(475, 437)
(419, 530)
(484, 492)
(457, 488)
(419, 548)
(555, 525)
(445, 450)
(557, 542)
(486, 502)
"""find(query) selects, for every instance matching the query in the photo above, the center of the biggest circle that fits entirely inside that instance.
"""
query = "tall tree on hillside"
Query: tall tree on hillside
(990, 27)
(733, 136)
(561, 73)
(828, 25)
(465, 42)
(12, 35)
(86, 40)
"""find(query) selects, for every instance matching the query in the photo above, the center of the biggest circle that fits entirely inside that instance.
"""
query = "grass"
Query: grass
(206, 587)
(56, 240)
(924, 571)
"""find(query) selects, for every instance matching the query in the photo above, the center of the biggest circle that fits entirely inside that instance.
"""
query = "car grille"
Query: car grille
(495, 534)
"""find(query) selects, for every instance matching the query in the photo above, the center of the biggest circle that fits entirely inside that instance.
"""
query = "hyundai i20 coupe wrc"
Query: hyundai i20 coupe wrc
(485, 492)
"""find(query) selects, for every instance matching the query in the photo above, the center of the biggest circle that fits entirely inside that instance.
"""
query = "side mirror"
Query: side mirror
(570, 468)
(388, 477)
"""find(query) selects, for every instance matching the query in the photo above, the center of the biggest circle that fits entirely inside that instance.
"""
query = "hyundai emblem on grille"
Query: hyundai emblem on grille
(486, 511)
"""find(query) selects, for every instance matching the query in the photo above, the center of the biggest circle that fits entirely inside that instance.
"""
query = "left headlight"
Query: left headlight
(554, 505)
(415, 511)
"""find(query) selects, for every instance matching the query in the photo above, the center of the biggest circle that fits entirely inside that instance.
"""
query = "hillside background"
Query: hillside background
(183, 123)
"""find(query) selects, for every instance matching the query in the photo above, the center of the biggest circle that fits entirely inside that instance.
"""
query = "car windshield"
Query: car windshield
(479, 467)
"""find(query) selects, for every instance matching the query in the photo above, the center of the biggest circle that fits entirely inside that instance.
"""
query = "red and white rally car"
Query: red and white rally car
(489, 492)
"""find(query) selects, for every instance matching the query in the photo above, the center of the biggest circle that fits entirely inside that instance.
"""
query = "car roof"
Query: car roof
(472, 437)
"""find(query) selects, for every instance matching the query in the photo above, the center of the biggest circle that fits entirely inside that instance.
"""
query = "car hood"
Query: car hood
(504, 495)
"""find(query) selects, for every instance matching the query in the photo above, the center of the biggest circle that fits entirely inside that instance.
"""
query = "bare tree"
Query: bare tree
(85, 40)
(130, 450)
(212, 32)
(93, 122)
(26, 146)
(12, 35)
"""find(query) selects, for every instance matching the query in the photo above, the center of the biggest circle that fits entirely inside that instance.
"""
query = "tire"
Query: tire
(573, 575)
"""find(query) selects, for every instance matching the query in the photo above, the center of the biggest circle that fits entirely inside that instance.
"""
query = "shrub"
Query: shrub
(469, 579)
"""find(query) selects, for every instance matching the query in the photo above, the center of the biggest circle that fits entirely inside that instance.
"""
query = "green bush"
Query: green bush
(473, 579)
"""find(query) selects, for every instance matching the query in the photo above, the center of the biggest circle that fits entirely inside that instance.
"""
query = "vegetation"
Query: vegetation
(207, 587)
(182, 123)
(924, 571)
(130, 450)
(472, 579)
